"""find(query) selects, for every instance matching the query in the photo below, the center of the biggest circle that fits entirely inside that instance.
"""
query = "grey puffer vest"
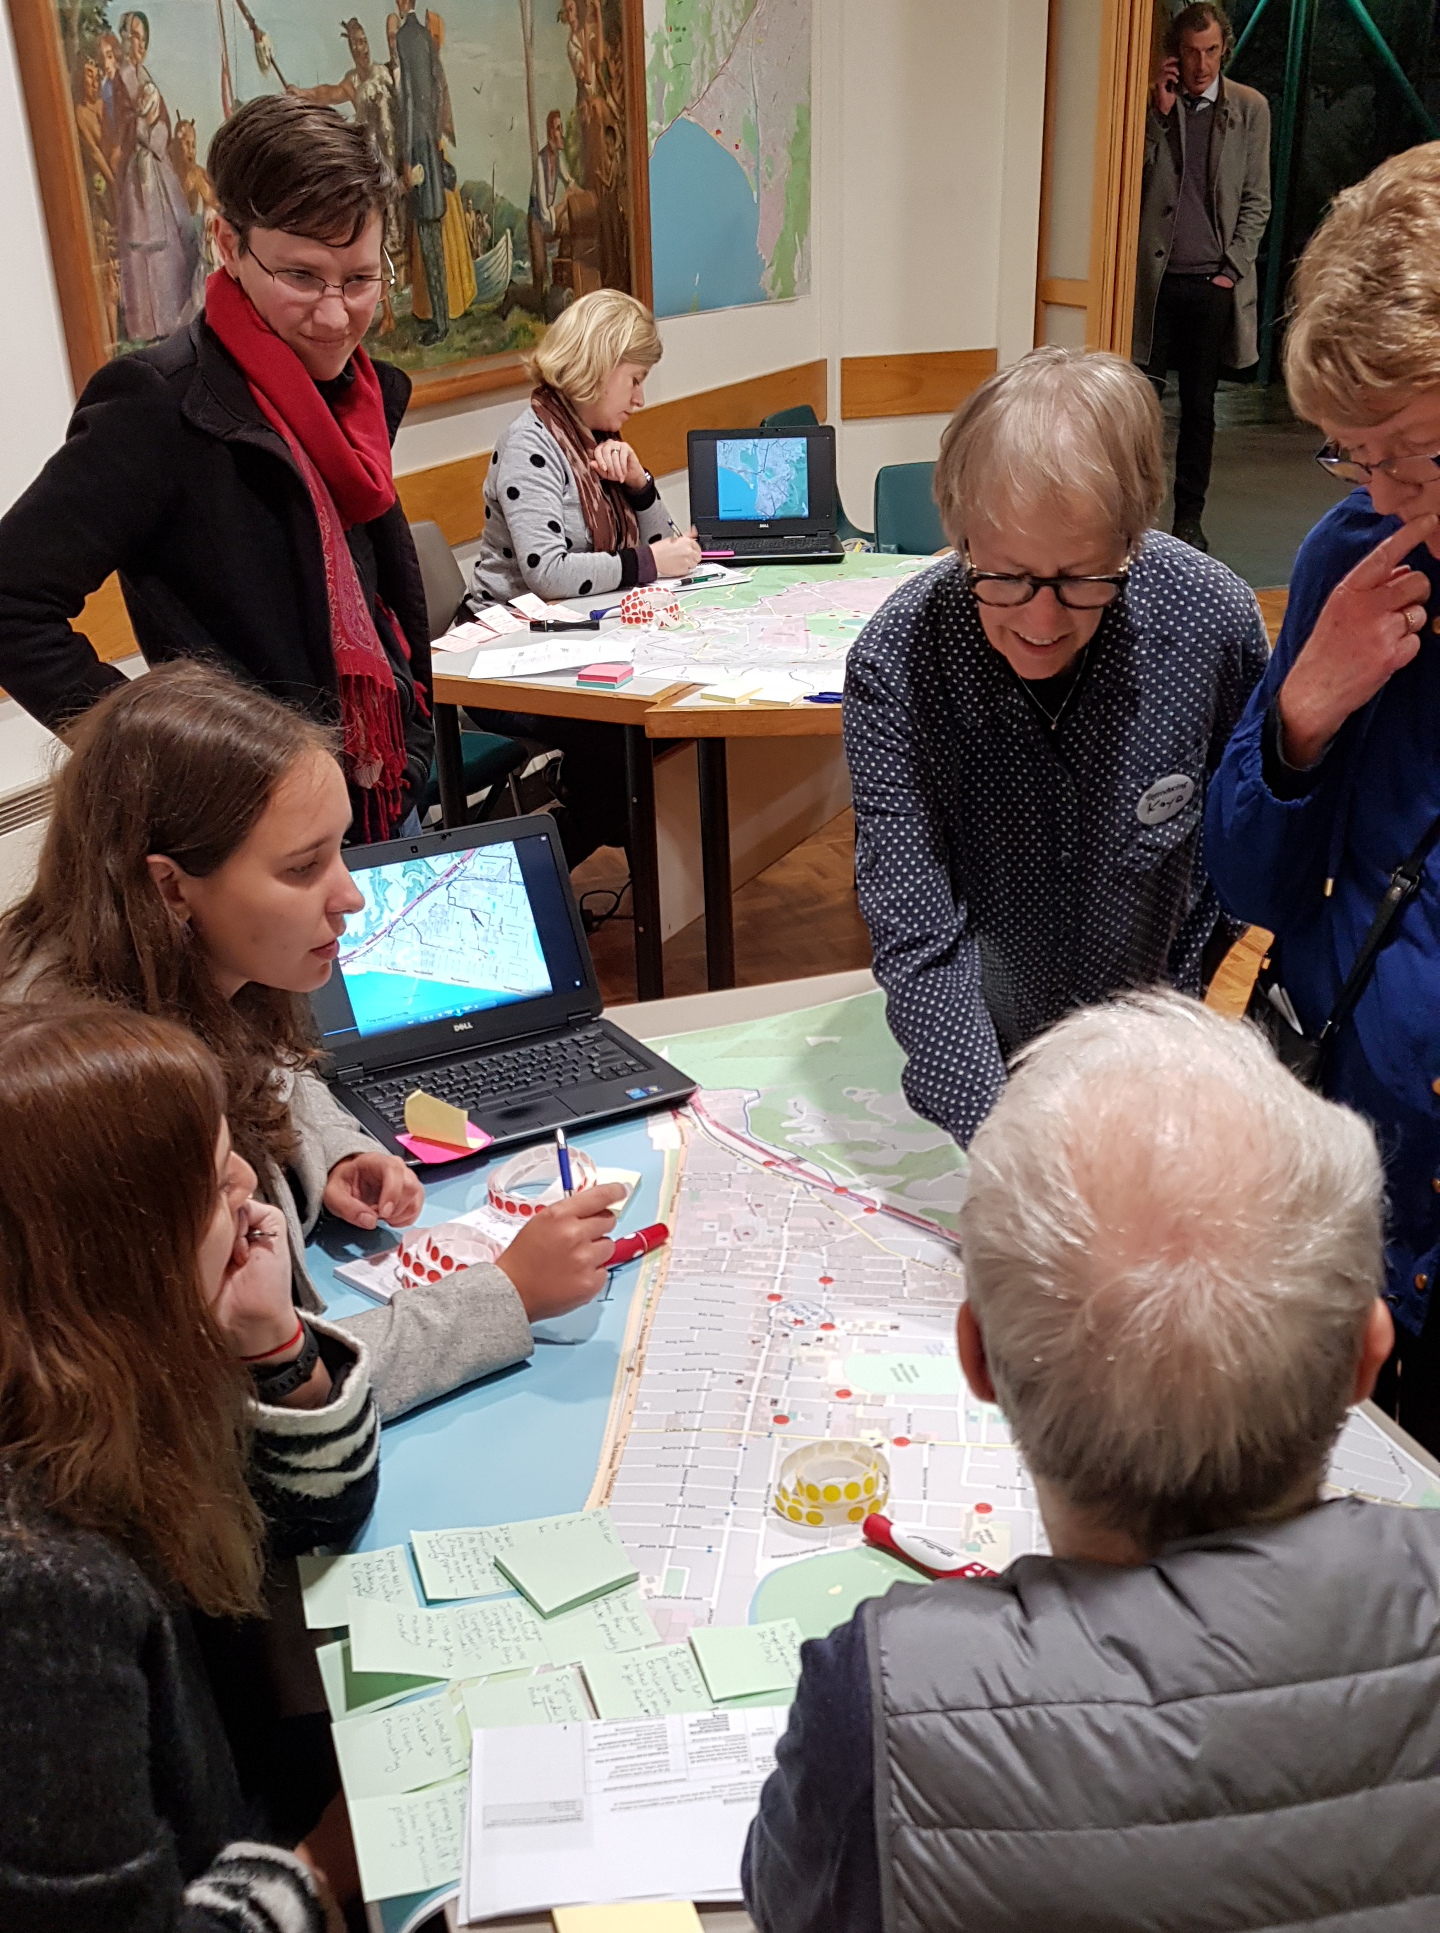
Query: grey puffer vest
(1243, 1734)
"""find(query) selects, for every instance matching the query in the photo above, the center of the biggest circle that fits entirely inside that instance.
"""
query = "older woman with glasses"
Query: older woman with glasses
(1328, 802)
(237, 475)
(1031, 726)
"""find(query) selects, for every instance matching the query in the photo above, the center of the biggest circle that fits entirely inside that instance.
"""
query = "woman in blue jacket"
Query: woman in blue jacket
(1333, 775)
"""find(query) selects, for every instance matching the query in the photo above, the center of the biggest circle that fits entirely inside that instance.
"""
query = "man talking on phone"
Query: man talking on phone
(1204, 204)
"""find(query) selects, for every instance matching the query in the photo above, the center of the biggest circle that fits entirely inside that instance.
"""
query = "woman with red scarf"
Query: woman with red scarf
(238, 476)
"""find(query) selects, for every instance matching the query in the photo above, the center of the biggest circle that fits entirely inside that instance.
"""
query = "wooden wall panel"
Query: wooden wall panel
(449, 494)
(920, 385)
(658, 434)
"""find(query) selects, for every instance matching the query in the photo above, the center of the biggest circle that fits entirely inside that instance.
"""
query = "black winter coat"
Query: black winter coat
(170, 475)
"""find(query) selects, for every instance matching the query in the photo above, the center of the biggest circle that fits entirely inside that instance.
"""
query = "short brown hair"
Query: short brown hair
(182, 762)
(279, 162)
(1194, 19)
(121, 1410)
(1365, 302)
(1077, 430)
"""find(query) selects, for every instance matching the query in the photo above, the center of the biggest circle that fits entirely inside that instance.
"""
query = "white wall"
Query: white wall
(927, 130)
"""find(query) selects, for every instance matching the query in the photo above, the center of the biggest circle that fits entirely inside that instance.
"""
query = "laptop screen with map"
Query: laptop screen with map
(775, 482)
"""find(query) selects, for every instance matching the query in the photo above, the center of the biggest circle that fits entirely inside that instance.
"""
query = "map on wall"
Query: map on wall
(729, 105)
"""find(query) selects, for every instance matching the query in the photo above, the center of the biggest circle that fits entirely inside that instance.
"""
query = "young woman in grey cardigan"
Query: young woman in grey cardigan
(192, 868)
(571, 512)
(167, 1424)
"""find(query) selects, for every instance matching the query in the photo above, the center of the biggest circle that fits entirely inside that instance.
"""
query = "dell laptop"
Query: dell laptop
(766, 496)
(467, 974)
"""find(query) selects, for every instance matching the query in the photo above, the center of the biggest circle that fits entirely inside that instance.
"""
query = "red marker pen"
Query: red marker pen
(629, 1248)
(920, 1550)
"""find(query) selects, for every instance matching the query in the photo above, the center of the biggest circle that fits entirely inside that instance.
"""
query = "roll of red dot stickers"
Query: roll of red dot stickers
(649, 606)
(530, 1180)
(430, 1254)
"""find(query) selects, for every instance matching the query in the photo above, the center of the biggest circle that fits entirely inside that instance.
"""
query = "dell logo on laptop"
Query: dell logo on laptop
(462, 1027)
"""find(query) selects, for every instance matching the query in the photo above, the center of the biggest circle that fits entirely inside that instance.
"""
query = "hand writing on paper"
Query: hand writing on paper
(616, 462)
(1370, 625)
(558, 1260)
(367, 1189)
(677, 556)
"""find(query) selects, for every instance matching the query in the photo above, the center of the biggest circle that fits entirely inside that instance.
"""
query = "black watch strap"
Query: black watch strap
(283, 1379)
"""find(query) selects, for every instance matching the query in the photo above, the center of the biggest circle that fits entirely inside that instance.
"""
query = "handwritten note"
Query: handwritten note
(326, 1583)
(742, 1660)
(385, 1638)
(348, 1691)
(401, 1749)
(457, 1563)
(618, 1622)
(409, 1844)
(647, 1684)
(559, 1565)
(502, 1634)
(551, 1698)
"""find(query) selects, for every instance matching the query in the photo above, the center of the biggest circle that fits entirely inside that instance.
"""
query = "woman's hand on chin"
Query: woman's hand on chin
(254, 1309)
(370, 1188)
(618, 463)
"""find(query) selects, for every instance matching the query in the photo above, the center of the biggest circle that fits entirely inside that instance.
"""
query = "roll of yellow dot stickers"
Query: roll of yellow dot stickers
(839, 1482)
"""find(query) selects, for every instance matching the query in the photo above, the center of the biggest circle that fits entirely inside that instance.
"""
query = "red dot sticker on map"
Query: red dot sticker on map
(780, 1419)
(827, 1325)
(901, 1442)
(774, 1298)
(825, 1280)
(844, 1394)
(983, 1509)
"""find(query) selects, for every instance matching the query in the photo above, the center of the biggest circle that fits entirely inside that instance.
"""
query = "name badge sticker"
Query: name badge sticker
(1163, 799)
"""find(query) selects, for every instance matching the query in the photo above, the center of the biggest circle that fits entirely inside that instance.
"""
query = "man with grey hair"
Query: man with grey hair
(1216, 1703)
(1031, 726)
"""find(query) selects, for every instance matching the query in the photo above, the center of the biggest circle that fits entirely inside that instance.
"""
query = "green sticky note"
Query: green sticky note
(741, 1660)
(758, 1700)
(409, 1844)
(903, 1375)
(328, 1583)
(399, 1750)
(559, 1565)
(348, 1691)
(550, 1698)
(618, 1622)
(384, 1638)
(500, 1634)
(457, 1563)
(647, 1684)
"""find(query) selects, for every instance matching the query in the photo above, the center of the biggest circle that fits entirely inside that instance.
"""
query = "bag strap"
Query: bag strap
(1404, 882)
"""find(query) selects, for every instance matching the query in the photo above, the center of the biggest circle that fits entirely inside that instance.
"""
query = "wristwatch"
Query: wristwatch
(283, 1379)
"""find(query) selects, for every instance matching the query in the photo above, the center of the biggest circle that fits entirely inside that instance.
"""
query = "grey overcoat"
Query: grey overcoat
(1238, 196)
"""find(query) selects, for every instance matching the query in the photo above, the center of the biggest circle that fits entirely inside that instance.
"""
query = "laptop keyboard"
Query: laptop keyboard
(805, 542)
(574, 1061)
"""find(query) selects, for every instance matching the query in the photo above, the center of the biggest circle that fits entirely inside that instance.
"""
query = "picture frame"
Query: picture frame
(540, 131)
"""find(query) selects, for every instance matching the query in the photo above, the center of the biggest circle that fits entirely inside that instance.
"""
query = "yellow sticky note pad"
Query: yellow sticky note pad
(640, 1916)
(431, 1119)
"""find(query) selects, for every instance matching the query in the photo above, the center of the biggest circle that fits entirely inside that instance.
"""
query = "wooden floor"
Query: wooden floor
(800, 916)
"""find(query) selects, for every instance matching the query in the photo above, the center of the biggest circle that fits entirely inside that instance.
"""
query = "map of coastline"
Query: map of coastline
(759, 476)
(441, 936)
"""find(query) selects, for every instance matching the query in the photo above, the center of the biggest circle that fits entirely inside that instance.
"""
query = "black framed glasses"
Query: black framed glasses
(1005, 589)
(1418, 470)
(311, 289)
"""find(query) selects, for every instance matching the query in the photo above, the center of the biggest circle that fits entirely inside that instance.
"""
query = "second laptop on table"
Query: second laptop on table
(766, 496)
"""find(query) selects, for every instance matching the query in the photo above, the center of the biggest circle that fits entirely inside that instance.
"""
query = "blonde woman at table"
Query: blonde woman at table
(571, 512)
(166, 1426)
(192, 869)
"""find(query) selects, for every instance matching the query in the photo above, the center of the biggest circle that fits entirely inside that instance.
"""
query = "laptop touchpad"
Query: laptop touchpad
(521, 1114)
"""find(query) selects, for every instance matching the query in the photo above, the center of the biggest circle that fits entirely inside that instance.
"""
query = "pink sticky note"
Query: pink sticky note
(432, 1153)
(605, 674)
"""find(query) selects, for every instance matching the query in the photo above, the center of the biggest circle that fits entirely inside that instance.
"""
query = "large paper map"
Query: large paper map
(810, 1291)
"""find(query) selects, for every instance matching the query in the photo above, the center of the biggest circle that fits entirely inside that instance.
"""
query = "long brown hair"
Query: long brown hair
(120, 1410)
(183, 761)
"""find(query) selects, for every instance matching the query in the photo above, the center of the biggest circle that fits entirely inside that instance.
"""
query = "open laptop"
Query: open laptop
(467, 974)
(766, 496)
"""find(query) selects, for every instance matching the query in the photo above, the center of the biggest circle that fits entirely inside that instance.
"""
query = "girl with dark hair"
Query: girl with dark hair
(192, 868)
(165, 1426)
(238, 474)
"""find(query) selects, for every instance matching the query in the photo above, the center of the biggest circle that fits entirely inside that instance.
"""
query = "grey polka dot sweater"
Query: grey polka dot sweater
(1005, 865)
(536, 537)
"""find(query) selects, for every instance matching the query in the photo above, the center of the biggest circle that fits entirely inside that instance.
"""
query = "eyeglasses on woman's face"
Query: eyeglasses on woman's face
(1416, 470)
(1006, 589)
(309, 290)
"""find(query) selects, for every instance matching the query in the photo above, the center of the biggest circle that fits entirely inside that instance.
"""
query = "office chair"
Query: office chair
(803, 417)
(485, 756)
(906, 516)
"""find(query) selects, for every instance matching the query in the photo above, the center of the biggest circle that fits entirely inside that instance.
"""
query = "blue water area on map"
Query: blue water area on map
(737, 494)
(385, 1000)
(704, 225)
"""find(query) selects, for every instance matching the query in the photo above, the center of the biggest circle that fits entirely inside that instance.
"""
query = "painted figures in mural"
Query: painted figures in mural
(508, 145)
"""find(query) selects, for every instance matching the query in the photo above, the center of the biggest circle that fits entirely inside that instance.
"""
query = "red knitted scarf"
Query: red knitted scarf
(342, 451)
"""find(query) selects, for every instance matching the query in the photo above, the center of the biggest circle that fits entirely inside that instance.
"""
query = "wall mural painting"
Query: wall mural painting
(516, 129)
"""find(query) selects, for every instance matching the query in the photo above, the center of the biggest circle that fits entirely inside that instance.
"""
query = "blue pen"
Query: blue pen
(562, 1155)
(824, 698)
